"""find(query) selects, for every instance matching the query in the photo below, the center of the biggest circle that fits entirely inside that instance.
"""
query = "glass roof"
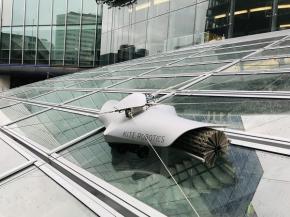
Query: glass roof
(258, 115)
(220, 57)
(25, 92)
(18, 111)
(53, 128)
(241, 84)
(32, 188)
(151, 83)
(97, 100)
(262, 64)
(59, 96)
(251, 82)
(9, 158)
(95, 84)
(233, 187)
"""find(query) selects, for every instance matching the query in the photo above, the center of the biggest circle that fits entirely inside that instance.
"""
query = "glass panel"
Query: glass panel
(151, 64)
(53, 84)
(269, 40)
(72, 45)
(74, 12)
(44, 44)
(6, 12)
(45, 14)
(18, 12)
(4, 103)
(181, 35)
(252, 47)
(266, 116)
(97, 100)
(140, 11)
(273, 52)
(257, 82)
(31, 12)
(156, 40)
(30, 44)
(88, 37)
(152, 83)
(59, 96)
(176, 4)
(191, 69)
(5, 44)
(9, 158)
(242, 183)
(217, 58)
(200, 34)
(54, 128)
(158, 7)
(32, 193)
(283, 43)
(86, 75)
(175, 56)
(57, 52)
(59, 12)
(129, 72)
(25, 93)
(16, 44)
(260, 65)
(144, 179)
(139, 39)
(89, 12)
(17, 111)
(95, 84)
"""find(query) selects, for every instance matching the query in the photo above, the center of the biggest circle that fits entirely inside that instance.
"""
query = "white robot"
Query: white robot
(136, 122)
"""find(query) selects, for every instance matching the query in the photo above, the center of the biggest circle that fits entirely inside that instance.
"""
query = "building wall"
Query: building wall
(4, 82)
(154, 26)
(50, 32)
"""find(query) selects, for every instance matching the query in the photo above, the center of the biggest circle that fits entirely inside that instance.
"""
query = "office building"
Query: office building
(55, 161)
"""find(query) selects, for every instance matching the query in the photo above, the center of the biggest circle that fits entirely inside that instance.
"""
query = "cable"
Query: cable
(166, 168)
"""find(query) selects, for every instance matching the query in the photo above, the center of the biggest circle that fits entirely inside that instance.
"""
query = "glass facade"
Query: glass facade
(50, 32)
(153, 26)
(86, 34)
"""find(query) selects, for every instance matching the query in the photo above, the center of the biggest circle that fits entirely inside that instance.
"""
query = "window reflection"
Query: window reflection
(73, 12)
(89, 14)
(227, 189)
(59, 11)
(72, 45)
(273, 63)
(18, 12)
(250, 114)
(31, 12)
(87, 47)
(156, 34)
(6, 12)
(181, 35)
(29, 44)
(43, 44)
(158, 7)
(57, 51)
(16, 44)
(177, 4)
(45, 13)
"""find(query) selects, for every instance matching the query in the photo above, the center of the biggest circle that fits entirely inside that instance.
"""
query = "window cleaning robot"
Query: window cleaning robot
(135, 121)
